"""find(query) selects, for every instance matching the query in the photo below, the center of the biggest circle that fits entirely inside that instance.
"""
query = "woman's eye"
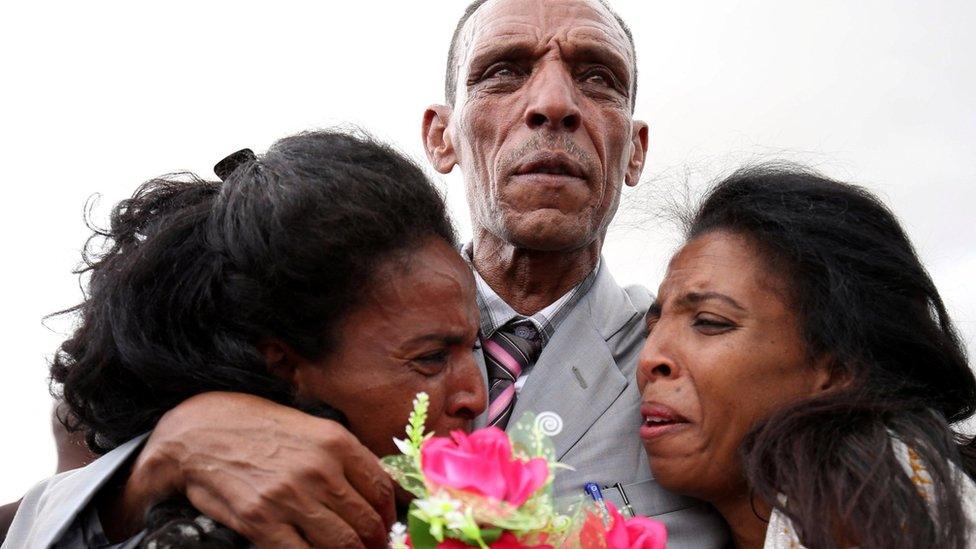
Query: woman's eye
(436, 357)
(710, 324)
(651, 323)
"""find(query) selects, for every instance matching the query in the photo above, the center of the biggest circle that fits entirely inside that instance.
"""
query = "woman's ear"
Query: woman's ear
(280, 359)
(830, 377)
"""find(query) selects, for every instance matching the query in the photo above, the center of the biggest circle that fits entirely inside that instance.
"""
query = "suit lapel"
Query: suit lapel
(576, 376)
(68, 494)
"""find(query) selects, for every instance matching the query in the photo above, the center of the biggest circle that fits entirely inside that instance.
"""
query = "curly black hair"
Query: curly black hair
(195, 273)
(192, 275)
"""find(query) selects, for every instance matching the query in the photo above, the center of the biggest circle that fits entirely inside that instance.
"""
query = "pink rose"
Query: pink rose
(636, 532)
(482, 463)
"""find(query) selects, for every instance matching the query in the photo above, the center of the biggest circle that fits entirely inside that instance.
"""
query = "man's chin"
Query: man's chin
(550, 232)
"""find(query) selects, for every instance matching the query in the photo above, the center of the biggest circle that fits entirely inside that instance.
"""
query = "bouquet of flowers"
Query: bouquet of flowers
(489, 489)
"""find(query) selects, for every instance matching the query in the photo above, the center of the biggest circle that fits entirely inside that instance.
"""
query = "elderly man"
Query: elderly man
(539, 119)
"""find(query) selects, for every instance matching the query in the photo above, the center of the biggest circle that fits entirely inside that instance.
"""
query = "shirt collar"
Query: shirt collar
(495, 312)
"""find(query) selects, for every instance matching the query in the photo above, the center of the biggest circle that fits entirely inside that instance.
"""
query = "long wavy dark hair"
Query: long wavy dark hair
(866, 303)
(192, 275)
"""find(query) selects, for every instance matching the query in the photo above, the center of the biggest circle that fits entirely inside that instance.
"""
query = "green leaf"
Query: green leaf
(403, 470)
(491, 535)
(415, 429)
(471, 535)
(419, 532)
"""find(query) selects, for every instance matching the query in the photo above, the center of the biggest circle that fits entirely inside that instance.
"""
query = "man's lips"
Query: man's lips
(660, 420)
(551, 164)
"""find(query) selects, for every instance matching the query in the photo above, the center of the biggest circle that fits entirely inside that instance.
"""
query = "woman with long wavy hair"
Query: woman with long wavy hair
(802, 374)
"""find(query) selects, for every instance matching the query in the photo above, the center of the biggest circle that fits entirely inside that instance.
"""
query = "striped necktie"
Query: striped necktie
(512, 350)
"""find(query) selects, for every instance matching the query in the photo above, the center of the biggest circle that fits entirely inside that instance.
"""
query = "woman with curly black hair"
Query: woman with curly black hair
(323, 275)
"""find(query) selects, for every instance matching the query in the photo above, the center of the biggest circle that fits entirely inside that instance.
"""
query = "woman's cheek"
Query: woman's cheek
(436, 393)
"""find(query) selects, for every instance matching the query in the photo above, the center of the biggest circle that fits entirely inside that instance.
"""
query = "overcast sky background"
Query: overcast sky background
(100, 97)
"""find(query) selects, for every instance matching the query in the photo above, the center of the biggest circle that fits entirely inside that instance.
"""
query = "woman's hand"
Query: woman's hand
(280, 477)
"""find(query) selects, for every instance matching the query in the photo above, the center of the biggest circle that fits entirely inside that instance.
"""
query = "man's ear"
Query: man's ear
(438, 141)
(637, 154)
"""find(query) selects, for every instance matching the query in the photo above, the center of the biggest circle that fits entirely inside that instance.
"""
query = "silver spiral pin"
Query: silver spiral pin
(549, 423)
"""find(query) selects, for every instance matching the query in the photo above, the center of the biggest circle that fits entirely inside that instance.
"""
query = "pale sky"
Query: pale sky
(100, 97)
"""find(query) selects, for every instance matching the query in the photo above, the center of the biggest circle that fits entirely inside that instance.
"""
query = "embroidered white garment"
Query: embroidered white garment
(781, 535)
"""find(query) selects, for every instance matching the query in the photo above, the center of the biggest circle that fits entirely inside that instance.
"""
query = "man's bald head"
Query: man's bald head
(451, 75)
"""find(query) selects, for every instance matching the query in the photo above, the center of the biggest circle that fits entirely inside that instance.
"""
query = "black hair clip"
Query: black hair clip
(232, 161)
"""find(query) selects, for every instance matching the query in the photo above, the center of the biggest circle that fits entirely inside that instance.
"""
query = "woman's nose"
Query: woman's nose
(469, 397)
(655, 362)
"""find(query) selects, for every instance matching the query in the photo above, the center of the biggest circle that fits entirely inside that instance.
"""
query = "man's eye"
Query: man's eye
(597, 79)
(502, 70)
(600, 77)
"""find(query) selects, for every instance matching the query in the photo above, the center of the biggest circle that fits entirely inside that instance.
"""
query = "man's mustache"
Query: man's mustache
(554, 143)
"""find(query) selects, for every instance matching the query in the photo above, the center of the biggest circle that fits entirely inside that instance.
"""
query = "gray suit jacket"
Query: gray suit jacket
(50, 509)
(586, 376)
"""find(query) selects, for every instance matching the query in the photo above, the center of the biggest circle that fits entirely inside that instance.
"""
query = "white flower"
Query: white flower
(438, 505)
(456, 520)
(442, 514)
(441, 508)
(403, 445)
(398, 536)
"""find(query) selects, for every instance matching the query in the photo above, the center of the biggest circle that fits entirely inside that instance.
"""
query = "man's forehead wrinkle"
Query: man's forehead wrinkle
(464, 50)
(604, 32)
(567, 41)
(512, 34)
(474, 28)
(569, 19)
(595, 16)
(595, 38)
(503, 25)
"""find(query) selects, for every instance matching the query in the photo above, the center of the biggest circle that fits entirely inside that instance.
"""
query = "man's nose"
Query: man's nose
(469, 397)
(552, 100)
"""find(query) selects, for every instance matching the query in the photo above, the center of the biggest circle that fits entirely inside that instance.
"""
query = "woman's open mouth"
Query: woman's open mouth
(660, 420)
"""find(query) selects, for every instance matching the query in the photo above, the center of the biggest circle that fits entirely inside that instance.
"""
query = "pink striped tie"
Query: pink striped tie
(510, 351)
